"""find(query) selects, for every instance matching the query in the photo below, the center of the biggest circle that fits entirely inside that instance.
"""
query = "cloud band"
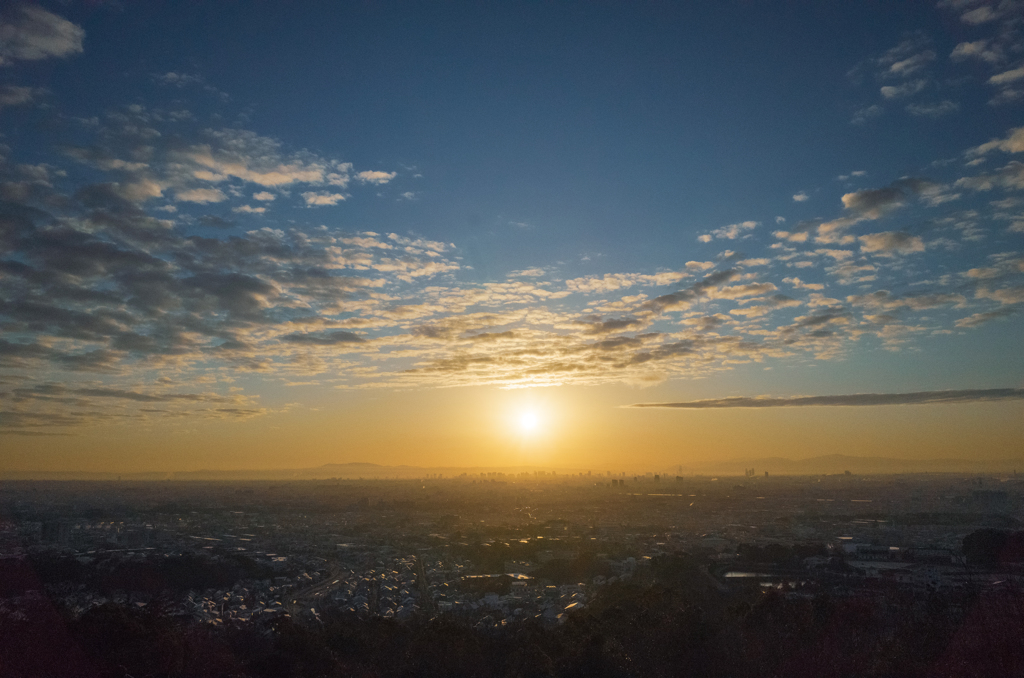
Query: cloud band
(855, 400)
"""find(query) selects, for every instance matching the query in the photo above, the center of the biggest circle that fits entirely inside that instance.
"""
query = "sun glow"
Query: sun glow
(528, 422)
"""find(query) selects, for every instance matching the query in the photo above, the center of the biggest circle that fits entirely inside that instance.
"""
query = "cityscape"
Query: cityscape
(500, 552)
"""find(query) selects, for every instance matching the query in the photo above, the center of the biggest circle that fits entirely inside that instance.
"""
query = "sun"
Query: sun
(528, 422)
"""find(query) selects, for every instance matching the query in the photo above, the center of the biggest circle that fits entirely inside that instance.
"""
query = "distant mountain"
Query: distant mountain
(775, 466)
(327, 471)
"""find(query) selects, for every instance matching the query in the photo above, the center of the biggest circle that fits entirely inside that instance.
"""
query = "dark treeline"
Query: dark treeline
(152, 576)
(992, 548)
(669, 622)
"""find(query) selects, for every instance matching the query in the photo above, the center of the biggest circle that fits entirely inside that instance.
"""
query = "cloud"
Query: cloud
(891, 241)
(684, 298)
(801, 197)
(1010, 176)
(111, 285)
(60, 391)
(730, 232)
(201, 195)
(264, 196)
(933, 110)
(979, 49)
(1002, 266)
(595, 325)
(248, 209)
(30, 33)
(849, 273)
(324, 339)
(978, 15)
(1013, 143)
(179, 79)
(182, 80)
(862, 115)
(1008, 82)
(12, 95)
(908, 56)
(314, 199)
(22, 432)
(610, 282)
(882, 300)
(375, 177)
(340, 179)
(739, 291)
(1007, 77)
(247, 156)
(607, 283)
(912, 64)
(215, 221)
(492, 336)
(983, 273)
(758, 310)
(527, 273)
(37, 409)
(902, 91)
(962, 396)
(1006, 96)
(800, 284)
(874, 202)
(982, 318)
(1006, 295)
(792, 236)
(867, 204)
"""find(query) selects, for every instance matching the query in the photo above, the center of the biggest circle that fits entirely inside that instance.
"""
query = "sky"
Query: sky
(591, 235)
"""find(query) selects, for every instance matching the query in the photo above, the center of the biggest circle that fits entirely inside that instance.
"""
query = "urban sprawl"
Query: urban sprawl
(492, 549)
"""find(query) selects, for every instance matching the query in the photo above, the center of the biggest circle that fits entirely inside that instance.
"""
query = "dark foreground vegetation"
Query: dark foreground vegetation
(669, 622)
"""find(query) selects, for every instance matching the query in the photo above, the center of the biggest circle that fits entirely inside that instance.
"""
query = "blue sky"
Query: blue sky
(233, 211)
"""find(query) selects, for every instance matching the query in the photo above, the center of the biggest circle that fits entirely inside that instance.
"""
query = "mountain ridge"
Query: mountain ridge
(819, 465)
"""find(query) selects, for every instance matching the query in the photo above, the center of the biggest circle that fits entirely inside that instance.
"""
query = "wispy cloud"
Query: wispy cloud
(30, 33)
(730, 232)
(891, 241)
(314, 199)
(936, 110)
(12, 95)
(862, 115)
(375, 177)
(981, 318)
(978, 49)
(857, 400)
(904, 90)
(1012, 143)
(201, 195)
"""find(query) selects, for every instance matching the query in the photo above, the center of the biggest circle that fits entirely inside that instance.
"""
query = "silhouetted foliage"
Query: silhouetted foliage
(583, 568)
(989, 547)
(678, 626)
(150, 576)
